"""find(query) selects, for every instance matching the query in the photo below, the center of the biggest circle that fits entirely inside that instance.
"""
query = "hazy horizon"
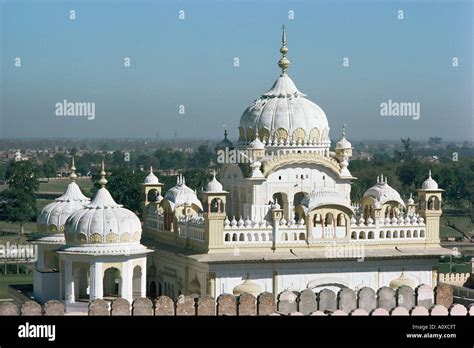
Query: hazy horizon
(190, 62)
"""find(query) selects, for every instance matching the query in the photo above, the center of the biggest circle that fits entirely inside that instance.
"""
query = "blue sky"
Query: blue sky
(190, 62)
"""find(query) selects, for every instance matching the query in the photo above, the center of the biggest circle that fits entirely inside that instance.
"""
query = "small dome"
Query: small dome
(224, 143)
(429, 184)
(151, 178)
(343, 144)
(181, 194)
(247, 286)
(103, 221)
(402, 280)
(214, 185)
(384, 193)
(54, 215)
(410, 200)
(257, 144)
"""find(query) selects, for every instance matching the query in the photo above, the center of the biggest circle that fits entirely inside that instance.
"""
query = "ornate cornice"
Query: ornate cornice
(276, 162)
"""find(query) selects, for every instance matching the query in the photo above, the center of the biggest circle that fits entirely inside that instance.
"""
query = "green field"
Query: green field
(10, 279)
(462, 222)
(59, 186)
(15, 228)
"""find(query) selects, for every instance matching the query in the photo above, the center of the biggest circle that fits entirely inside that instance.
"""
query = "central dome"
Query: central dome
(283, 116)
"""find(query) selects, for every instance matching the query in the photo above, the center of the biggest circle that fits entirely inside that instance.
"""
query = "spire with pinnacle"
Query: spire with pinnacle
(344, 130)
(103, 181)
(283, 63)
(73, 175)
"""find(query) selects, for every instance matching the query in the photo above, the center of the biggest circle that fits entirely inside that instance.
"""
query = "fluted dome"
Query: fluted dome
(54, 215)
(402, 280)
(151, 178)
(430, 183)
(284, 114)
(181, 195)
(214, 185)
(249, 287)
(383, 193)
(103, 221)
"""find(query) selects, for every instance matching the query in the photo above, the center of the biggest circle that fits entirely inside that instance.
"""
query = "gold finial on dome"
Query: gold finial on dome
(103, 181)
(73, 175)
(283, 63)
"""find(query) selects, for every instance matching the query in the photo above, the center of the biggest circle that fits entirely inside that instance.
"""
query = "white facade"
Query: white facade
(286, 204)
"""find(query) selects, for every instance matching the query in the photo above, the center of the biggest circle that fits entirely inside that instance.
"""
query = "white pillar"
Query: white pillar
(127, 281)
(69, 281)
(143, 279)
(96, 288)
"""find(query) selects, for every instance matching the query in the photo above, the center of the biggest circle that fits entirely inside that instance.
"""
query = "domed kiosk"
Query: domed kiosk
(102, 257)
(50, 238)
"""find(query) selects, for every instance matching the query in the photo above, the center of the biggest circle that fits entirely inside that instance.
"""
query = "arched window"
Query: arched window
(137, 281)
(402, 234)
(215, 206)
(317, 220)
(227, 237)
(285, 236)
(408, 234)
(353, 235)
(302, 236)
(341, 220)
(422, 233)
(371, 235)
(381, 235)
(234, 237)
(362, 235)
(249, 237)
(433, 203)
(152, 195)
(329, 219)
(415, 234)
(395, 234)
(389, 234)
(112, 282)
(241, 237)
(255, 237)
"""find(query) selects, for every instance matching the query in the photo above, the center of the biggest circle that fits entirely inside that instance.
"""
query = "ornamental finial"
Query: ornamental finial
(73, 175)
(103, 181)
(344, 130)
(283, 63)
